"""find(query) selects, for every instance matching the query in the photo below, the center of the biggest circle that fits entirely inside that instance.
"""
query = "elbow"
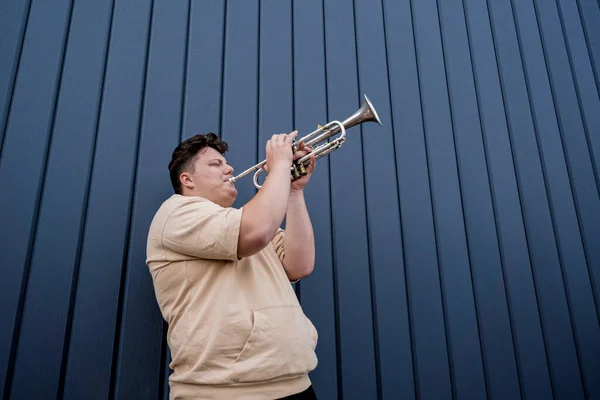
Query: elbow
(307, 270)
(304, 273)
(297, 272)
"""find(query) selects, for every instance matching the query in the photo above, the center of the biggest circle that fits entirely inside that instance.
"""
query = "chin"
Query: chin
(234, 196)
(229, 199)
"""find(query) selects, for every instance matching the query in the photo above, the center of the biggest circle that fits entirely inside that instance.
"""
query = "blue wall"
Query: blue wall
(458, 251)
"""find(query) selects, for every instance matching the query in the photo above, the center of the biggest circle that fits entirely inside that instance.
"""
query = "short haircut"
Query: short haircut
(185, 154)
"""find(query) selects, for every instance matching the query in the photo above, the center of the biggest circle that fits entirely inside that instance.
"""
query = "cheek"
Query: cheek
(210, 177)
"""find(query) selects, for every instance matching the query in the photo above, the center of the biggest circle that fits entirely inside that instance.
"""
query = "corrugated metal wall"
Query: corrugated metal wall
(458, 245)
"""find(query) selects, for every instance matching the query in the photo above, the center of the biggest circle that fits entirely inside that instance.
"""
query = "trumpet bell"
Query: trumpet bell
(366, 113)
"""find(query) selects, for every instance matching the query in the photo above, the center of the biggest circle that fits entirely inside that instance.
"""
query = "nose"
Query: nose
(228, 169)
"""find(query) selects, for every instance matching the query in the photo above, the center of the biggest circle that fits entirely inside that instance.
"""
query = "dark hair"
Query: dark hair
(184, 155)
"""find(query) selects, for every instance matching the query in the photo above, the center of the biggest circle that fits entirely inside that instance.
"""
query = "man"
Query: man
(222, 276)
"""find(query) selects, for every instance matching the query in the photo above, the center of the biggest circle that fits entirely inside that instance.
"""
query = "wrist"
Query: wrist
(281, 165)
(296, 191)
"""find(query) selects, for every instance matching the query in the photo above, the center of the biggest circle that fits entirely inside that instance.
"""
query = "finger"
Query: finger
(282, 139)
(313, 163)
(290, 138)
(299, 154)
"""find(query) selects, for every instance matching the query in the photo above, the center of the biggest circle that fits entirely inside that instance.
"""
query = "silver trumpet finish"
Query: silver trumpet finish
(366, 113)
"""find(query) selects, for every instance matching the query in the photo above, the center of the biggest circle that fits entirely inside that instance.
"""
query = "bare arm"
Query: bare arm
(299, 241)
(263, 215)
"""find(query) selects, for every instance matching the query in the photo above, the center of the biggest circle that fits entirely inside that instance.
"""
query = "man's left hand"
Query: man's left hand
(299, 183)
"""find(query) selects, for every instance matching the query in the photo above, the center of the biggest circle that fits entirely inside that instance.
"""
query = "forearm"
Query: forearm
(268, 208)
(299, 242)
(262, 216)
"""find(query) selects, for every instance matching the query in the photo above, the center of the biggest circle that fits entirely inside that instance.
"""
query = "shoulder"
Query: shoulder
(178, 205)
(186, 214)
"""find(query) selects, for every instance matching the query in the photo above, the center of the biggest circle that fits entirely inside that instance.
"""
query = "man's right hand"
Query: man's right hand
(279, 151)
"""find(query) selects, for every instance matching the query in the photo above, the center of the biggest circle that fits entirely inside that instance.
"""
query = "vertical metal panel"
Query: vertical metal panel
(204, 69)
(579, 158)
(589, 12)
(589, 104)
(13, 22)
(432, 378)
(456, 245)
(495, 330)
(388, 281)
(554, 166)
(349, 221)
(512, 236)
(495, 326)
(317, 292)
(540, 235)
(583, 76)
(555, 296)
(96, 326)
(275, 91)
(23, 166)
(574, 140)
(454, 264)
(54, 264)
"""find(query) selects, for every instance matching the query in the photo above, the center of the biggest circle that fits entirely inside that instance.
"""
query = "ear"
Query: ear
(186, 180)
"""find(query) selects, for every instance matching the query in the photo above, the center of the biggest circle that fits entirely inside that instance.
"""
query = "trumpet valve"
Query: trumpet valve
(295, 172)
(302, 169)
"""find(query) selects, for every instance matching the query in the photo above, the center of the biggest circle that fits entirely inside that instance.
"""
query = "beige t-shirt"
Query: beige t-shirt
(236, 329)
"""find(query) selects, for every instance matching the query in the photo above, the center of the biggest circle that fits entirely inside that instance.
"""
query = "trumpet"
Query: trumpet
(366, 113)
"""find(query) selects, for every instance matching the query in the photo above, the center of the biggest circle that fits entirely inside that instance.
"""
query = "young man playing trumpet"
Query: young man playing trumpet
(222, 276)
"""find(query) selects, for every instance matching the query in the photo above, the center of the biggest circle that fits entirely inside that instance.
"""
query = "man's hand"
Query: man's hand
(279, 151)
(298, 184)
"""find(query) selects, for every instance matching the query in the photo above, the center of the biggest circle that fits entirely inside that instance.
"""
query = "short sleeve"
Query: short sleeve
(278, 244)
(203, 229)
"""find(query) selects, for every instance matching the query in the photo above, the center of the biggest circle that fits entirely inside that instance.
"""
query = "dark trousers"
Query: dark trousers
(308, 394)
